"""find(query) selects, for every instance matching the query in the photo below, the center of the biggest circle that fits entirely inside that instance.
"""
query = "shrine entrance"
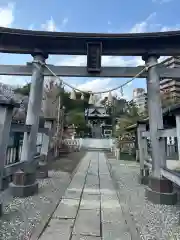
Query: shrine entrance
(149, 46)
(98, 119)
(96, 131)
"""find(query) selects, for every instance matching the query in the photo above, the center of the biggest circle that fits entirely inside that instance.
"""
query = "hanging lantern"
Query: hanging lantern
(94, 99)
(91, 99)
(82, 96)
(73, 95)
(110, 98)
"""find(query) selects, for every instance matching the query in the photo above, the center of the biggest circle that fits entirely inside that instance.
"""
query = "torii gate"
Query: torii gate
(150, 46)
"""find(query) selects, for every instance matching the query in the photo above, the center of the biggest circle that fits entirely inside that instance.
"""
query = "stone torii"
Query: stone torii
(150, 46)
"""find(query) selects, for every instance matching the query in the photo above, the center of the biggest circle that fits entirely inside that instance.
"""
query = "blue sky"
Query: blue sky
(88, 16)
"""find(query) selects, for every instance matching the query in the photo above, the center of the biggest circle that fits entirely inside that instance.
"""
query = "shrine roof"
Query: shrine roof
(73, 43)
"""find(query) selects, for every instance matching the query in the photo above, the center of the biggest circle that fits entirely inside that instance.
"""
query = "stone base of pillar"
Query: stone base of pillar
(24, 184)
(42, 170)
(160, 191)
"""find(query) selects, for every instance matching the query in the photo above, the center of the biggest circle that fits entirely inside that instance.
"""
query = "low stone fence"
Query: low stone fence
(73, 144)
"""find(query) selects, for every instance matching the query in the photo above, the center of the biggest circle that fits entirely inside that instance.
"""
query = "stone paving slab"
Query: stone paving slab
(58, 229)
(73, 193)
(109, 215)
(75, 237)
(67, 209)
(93, 190)
(91, 196)
(90, 204)
(87, 223)
(112, 231)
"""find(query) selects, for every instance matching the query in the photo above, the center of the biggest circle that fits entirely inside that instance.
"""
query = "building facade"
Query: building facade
(170, 88)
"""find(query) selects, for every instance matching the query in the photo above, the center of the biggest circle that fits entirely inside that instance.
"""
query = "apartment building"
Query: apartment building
(170, 88)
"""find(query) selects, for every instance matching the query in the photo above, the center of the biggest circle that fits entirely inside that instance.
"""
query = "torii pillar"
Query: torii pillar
(160, 190)
(34, 108)
(24, 181)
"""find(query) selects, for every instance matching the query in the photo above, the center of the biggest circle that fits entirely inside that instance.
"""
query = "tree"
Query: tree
(78, 119)
(69, 104)
(25, 90)
(130, 117)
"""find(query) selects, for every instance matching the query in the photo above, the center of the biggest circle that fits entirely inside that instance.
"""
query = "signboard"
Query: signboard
(94, 51)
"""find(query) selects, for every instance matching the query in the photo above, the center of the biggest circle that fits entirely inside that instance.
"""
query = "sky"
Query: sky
(117, 16)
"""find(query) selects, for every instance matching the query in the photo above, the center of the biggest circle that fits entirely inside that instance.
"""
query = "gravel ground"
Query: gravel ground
(154, 222)
(24, 217)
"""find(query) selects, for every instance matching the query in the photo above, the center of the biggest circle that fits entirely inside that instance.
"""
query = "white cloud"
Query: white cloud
(144, 25)
(14, 80)
(148, 25)
(51, 26)
(106, 61)
(170, 28)
(7, 15)
(105, 84)
(95, 84)
(101, 84)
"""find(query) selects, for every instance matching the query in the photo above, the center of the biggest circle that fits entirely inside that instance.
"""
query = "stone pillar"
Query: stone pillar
(46, 139)
(142, 149)
(43, 163)
(6, 110)
(34, 108)
(155, 117)
(160, 190)
(24, 181)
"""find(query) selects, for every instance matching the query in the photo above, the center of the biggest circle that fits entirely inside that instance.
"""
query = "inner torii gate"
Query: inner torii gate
(150, 46)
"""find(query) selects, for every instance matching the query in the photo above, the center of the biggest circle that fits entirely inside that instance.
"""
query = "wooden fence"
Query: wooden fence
(15, 147)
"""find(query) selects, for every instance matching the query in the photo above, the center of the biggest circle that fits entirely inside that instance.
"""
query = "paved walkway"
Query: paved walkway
(90, 209)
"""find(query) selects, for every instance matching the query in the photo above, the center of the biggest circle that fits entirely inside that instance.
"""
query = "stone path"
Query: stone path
(90, 208)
